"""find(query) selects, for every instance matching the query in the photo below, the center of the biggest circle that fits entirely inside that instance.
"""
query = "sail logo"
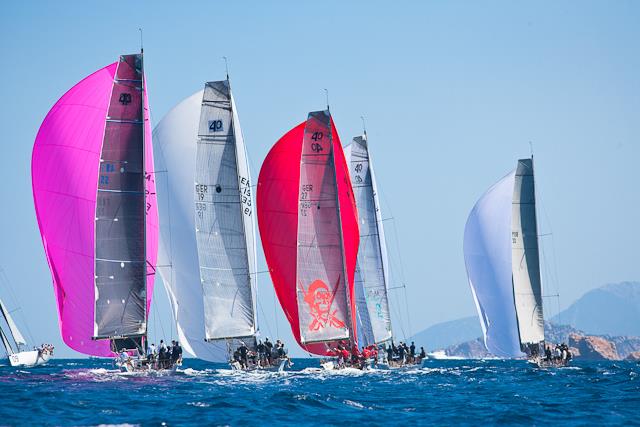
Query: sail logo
(215, 126)
(319, 298)
(125, 98)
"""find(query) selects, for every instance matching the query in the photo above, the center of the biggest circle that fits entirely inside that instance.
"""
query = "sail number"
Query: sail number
(215, 126)
(245, 195)
(305, 189)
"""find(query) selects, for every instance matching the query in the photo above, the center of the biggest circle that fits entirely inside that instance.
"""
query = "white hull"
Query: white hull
(29, 358)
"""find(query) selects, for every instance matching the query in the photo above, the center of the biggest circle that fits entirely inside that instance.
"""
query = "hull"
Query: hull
(552, 363)
(29, 358)
(139, 366)
(280, 366)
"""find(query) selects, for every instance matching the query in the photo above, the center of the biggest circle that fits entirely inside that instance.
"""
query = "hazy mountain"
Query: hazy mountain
(445, 334)
(612, 309)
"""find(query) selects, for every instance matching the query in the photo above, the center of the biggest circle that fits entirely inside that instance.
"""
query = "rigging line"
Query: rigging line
(14, 297)
(264, 318)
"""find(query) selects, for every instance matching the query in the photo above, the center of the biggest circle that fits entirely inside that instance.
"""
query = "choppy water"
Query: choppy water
(88, 392)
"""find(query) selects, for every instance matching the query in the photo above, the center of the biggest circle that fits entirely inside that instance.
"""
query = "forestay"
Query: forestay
(224, 218)
(527, 285)
(120, 252)
(320, 270)
(487, 255)
(371, 277)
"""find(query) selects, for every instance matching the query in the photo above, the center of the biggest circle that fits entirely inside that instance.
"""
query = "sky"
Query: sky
(453, 94)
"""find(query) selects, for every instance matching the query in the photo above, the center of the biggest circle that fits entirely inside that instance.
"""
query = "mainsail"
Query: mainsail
(371, 277)
(15, 332)
(94, 195)
(308, 224)
(527, 287)
(207, 242)
(502, 265)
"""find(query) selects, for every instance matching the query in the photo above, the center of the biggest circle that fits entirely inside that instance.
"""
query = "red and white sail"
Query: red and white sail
(308, 225)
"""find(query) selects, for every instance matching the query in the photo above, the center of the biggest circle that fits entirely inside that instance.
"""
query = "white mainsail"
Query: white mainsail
(501, 256)
(207, 256)
(5, 342)
(527, 287)
(371, 276)
(15, 332)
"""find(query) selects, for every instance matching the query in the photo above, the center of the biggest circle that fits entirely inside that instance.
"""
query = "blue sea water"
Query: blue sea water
(90, 392)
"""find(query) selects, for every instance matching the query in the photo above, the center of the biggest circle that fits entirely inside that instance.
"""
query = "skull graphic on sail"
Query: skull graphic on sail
(319, 298)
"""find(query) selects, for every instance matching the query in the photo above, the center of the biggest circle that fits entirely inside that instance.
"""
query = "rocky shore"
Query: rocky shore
(581, 345)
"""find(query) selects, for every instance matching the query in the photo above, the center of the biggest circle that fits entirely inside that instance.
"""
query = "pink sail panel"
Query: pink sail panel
(277, 206)
(64, 168)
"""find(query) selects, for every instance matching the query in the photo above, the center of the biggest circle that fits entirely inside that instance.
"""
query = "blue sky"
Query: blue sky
(452, 93)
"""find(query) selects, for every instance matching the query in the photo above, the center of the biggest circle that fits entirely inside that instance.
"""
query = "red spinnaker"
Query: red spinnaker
(278, 210)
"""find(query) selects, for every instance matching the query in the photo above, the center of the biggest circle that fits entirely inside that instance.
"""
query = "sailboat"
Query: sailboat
(14, 341)
(207, 254)
(372, 266)
(308, 224)
(94, 195)
(503, 265)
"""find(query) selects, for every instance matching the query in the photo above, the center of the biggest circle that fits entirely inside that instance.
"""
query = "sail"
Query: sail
(223, 211)
(5, 343)
(527, 287)
(487, 256)
(200, 141)
(308, 225)
(65, 169)
(120, 267)
(371, 277)
(15, 332)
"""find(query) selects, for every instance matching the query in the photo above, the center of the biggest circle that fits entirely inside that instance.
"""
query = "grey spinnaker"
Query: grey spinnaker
(120, 247)
(371, 275)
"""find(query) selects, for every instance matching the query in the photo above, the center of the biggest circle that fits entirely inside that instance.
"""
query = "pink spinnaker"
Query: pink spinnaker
(64, 170)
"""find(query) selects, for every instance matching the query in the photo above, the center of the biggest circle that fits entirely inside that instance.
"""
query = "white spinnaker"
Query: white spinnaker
(487, 256)
(527, 286)
(223, 212)
(15, 332)
(371, 276)
(175, 139)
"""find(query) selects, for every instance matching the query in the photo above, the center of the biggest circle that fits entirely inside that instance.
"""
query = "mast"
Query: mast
(144, 187)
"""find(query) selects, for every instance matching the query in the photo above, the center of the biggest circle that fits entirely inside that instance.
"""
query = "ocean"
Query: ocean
(90, 392)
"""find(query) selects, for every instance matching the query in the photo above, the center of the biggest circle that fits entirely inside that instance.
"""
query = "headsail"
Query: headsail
(487, 256)
(371, 277)
(527, 286)
(308, 224)
(65, 169)
(207, 242)
(15, 332)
